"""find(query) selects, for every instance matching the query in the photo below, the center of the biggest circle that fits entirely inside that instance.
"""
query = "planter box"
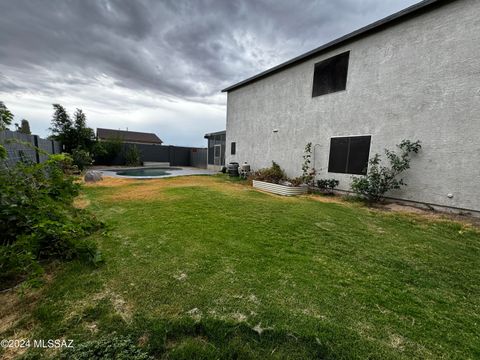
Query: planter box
(280, 189)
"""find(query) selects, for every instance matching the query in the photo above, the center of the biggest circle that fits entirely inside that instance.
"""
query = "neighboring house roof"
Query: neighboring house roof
(128, 136)
(403, 15)
(223, 132)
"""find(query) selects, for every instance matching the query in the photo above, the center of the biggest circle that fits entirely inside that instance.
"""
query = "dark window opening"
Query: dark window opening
(330, 75)
(349, 155)
(233, 148)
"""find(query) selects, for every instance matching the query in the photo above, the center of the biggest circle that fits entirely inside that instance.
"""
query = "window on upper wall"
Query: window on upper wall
(349, 155)
(330, 75)
(233, 148)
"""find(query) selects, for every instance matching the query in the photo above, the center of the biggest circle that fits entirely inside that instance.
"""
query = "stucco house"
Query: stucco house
(413, 75)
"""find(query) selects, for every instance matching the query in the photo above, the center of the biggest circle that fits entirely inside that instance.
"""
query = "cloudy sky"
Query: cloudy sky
(159, 65)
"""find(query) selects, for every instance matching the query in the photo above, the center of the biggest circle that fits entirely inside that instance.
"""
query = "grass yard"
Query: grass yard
(206, 268)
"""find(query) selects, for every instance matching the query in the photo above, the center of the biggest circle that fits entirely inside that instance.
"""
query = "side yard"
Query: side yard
(206, 268)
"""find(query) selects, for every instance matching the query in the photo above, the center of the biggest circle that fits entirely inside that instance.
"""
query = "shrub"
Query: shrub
(273, 174)
(327, 185)
(106, 151)
(106, 348)
(132, 156)
(308, 174)
(38, 220)
(81, 158)
(296, 181)
(380, 178)
(3, 152)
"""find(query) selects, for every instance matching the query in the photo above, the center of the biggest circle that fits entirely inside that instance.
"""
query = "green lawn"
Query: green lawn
(202, 267)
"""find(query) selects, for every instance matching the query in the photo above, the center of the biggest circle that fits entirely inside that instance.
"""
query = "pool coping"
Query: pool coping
(180, 171)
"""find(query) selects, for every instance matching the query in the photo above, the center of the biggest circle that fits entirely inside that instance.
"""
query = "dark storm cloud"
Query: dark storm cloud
(185, 49)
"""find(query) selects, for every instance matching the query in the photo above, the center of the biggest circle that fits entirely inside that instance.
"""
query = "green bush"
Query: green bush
(112, 347)
(308, 174)
(3, 152)
(81, 158)
(38, 220)
(380, 178)
(106, 151)
(297, 181)
(273, 174)
(327, 185)
(132, 156)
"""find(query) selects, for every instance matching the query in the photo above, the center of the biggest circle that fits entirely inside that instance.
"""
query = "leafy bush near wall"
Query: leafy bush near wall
(327, 185)
(106, 151)
(81, 158)
(308, 173)
(132, 156)
(382, 178)
(3, 152)
(38, 220)
(273, 174)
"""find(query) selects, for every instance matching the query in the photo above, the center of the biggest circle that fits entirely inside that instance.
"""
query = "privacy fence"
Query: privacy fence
(26, 147)
(175, 155)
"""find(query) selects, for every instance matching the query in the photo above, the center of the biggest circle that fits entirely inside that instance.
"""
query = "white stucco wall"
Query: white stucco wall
(419, 79)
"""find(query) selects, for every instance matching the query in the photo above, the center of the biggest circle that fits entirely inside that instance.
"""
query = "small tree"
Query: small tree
(73, 134)
(380, 178)
(84, 137)
(6, 117)
(62, 127)
(24, 127)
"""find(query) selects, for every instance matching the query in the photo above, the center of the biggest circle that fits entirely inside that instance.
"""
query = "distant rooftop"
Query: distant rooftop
(223, 132)
(128, 136)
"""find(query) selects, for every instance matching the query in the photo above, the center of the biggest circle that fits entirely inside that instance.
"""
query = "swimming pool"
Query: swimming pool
(153, 172)
(146, 172)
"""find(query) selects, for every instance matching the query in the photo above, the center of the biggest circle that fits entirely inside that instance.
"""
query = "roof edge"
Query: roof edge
(221, 132)
(402, 15)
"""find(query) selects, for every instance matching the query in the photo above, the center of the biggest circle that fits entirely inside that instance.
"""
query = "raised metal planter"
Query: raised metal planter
(280, 189)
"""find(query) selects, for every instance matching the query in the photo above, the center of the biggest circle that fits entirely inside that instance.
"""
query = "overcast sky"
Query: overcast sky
(157, 66)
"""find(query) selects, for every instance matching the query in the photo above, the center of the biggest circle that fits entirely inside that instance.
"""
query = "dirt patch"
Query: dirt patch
(397, 342)
(154, 189)
(429, 214)
(404, 209)
(15, 352)
(110, 181)
(120, 305)
(81, 202)
(326, 199)
(8, 315)
(16, 307)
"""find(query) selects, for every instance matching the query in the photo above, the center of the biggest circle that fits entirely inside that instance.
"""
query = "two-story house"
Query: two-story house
(413, 75)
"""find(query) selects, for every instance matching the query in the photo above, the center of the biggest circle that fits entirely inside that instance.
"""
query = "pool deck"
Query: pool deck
(180, 171)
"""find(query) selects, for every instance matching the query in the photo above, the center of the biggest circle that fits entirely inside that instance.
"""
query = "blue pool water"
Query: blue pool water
(145, 172)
